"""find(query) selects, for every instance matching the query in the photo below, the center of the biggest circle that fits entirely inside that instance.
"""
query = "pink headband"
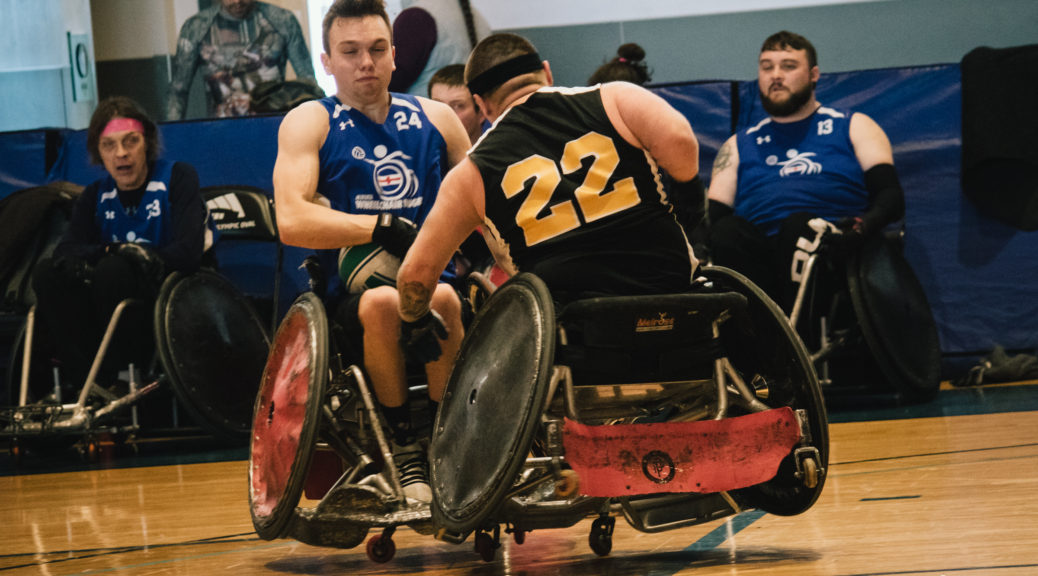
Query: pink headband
(122, 125)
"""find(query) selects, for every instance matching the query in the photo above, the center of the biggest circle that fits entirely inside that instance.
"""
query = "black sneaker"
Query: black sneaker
(412, 467)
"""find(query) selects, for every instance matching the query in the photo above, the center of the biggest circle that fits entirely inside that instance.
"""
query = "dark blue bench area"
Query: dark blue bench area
(981, 276)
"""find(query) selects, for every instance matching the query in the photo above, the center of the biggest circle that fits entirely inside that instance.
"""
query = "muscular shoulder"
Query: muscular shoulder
(448, 125)
(308, 120)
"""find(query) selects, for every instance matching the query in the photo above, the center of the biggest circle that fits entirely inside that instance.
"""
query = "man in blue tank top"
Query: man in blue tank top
(803, 161)
(359, 167)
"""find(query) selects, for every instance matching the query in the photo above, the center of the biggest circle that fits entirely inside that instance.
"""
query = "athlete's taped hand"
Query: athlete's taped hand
(421, 338)
(394, 234)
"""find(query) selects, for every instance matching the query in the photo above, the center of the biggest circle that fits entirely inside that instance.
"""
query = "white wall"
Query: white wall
(507, 14)
(35, 70)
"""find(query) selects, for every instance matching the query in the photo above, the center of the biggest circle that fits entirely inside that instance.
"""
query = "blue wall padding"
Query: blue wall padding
(980, 276)
(708, 107)
(22, 160)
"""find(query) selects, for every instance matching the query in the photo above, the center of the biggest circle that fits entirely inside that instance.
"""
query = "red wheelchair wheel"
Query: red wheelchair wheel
(287, 416)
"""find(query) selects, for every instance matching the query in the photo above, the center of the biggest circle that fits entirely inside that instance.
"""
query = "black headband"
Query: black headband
(497, 75)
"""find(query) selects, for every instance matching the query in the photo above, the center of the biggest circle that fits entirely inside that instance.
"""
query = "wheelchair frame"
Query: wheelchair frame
(81, 417)
(900, 381)
(340, 415)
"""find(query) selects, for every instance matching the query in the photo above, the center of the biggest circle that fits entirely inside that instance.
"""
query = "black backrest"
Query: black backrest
(624, 339)
(241, 212)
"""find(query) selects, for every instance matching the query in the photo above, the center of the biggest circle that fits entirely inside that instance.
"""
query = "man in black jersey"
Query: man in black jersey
(566, 185)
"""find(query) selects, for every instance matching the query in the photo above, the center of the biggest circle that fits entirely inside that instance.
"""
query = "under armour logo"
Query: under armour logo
(763, 139)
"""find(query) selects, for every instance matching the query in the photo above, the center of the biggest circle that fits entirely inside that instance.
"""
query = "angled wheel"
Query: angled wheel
(763, 344)
(212, 345)
(492, 405)
(287, 416)
(895, 318)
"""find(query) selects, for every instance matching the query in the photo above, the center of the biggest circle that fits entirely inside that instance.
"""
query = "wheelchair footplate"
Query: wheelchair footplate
(703, 457)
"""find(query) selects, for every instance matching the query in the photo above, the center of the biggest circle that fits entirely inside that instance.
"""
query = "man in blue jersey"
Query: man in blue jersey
(566, 184)
(803, 161)
(359, 167)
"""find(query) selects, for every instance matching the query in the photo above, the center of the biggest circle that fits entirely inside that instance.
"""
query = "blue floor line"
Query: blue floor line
(716, 537)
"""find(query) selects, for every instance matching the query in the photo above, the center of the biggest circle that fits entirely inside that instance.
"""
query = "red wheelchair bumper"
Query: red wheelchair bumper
(705, 457)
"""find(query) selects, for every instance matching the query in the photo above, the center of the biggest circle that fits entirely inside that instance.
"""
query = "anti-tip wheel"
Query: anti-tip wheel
(601, 537)
(381, 548)
(485, 546)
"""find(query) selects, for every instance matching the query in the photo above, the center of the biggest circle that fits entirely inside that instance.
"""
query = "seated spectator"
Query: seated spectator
(146, 218)
(628, 66)
(448, 86)
(803, 161)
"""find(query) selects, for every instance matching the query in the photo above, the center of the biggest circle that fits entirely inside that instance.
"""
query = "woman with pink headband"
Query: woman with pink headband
(145, 218)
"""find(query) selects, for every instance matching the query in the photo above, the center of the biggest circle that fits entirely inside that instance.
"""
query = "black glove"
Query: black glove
(851, 238)
(147, 262)
(394, 234)
(75, 268)
(420, 338)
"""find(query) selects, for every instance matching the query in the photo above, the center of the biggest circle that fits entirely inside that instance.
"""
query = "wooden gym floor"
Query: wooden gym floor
(945, 488)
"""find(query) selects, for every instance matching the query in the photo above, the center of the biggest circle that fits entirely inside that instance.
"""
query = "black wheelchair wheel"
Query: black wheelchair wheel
(212, 345)
(287, 416)
(492, 405)
(895, 319)
(764, 344)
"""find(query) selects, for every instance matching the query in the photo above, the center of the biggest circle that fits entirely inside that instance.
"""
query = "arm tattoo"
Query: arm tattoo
(414, 300)
(724, 157)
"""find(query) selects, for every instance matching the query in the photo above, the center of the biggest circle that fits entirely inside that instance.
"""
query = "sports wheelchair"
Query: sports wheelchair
(668, 410)
(211, 347)
(866, 319)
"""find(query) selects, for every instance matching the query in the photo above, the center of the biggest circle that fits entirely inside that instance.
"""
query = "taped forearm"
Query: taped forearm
(886, 198)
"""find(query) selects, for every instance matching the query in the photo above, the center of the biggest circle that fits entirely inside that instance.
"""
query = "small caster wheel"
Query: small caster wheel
(567, 484)
(93, 451)
(485, 546)
(601, 537)
(810, 472)
(519, 535)
(381, 548)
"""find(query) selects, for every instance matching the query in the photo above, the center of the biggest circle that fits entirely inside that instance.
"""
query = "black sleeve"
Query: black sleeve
(886, 198)
(689, 200)
(83, 238)
(184, 251)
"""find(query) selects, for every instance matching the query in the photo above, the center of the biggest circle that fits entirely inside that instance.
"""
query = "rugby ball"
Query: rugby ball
(367, 266)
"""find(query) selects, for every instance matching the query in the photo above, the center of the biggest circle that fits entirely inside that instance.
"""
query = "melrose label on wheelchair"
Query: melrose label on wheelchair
(704, 457)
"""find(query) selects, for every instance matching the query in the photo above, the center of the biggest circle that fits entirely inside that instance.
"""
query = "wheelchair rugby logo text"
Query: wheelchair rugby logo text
(395, 181)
